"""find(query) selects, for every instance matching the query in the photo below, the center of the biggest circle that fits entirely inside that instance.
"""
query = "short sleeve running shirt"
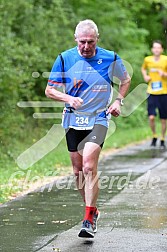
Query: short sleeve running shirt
(89, 79)
(158, 84)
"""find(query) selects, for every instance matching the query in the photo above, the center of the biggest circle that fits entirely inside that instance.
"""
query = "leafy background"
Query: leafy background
(34, 32)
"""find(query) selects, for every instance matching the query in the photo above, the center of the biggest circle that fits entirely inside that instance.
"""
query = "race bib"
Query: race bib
(156, 85)
(78, 121)
(81, 122)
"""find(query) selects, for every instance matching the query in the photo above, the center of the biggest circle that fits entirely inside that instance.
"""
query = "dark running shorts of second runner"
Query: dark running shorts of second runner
(157, 102)
(76, 139)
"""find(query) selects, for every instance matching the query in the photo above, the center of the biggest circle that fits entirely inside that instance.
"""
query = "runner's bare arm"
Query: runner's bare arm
(146, 77)
(162, 73)
(54, 94)
(124, 87)
(115, 108)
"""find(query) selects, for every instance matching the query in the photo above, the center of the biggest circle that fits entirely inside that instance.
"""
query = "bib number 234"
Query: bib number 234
(82, 120)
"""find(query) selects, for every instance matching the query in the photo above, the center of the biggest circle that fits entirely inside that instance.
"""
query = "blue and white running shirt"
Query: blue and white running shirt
(89, 79)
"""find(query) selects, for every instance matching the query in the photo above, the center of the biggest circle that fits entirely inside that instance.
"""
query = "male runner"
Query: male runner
(87, 81)
(154, 70)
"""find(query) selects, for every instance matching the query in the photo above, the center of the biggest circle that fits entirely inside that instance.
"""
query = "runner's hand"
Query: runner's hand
(147, 78)
(161, 73)
(115, 109)
(75, 102)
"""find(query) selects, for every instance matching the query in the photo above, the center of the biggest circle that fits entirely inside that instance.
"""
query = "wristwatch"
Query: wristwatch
(121, 101)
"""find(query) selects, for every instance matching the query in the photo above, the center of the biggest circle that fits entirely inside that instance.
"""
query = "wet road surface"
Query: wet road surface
(132, 201)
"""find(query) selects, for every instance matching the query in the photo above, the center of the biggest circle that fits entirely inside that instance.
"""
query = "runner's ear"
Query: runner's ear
(75, 37)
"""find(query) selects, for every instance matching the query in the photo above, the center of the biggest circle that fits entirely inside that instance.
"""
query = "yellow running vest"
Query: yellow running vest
(158, 84)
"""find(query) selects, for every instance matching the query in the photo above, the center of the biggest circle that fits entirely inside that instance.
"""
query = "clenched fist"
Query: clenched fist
(75, 102)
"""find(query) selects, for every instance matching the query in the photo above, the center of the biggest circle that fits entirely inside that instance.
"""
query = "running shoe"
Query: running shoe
(95, 219)
(154, 141)
(162, 144)
(86, 230)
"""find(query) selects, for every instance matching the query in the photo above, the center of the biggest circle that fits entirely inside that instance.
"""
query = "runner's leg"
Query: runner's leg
(151, 107)
(152, 124)
(90, 161)
(163, 129)
(77, 161)
(163, 114)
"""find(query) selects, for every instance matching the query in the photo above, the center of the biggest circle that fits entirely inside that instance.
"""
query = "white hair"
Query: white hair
(85, 26)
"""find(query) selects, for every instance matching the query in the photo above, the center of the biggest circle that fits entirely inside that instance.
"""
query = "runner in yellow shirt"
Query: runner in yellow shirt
(154, 71)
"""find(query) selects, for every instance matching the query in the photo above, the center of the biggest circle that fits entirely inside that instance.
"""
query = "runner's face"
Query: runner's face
(157, 49)
(87, 44)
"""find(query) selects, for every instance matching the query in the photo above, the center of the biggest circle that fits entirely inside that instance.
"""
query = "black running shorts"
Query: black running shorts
(157, 102)
(76, 139)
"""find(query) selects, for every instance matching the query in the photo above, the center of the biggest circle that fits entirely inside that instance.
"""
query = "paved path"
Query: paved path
(134, 220)
(133, 208)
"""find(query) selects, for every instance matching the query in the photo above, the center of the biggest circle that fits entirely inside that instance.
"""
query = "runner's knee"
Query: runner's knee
(77, 171)
(89, 168)
(151, 117)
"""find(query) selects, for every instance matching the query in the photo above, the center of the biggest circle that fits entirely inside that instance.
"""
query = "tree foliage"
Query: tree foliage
(34, 32)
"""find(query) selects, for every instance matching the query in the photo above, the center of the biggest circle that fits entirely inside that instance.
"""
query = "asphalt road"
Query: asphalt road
(133, 205)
